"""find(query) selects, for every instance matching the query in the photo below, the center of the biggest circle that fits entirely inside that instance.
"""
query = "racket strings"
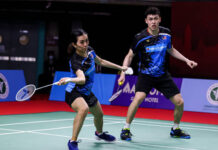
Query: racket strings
(25, 93)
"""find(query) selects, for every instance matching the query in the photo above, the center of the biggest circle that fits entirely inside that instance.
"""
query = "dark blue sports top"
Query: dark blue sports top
(152, 51)
(87, 65)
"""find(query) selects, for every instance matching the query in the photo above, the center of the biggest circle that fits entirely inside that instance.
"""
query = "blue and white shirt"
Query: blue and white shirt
(152, 51)
(87, 65)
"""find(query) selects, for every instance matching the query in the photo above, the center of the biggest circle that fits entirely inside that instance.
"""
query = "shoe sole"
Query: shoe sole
(127, 139)
(99, 139)
(182, 137)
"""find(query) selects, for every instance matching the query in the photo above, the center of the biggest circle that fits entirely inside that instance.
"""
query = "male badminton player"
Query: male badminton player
(78, 91)
(152, 44)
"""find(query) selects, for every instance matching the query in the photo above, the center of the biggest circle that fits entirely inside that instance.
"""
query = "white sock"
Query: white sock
(127, 125)
(176, 125)
(72, 141)
(98, 133)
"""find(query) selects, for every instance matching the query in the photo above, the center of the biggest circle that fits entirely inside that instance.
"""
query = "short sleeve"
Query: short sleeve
(169, 45)
(134, 45)
(92, 52)
(75, 63)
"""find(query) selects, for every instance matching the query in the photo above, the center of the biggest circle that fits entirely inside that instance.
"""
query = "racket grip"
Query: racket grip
(56, 83)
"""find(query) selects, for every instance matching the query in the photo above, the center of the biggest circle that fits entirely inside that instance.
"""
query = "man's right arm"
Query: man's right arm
(127, 61)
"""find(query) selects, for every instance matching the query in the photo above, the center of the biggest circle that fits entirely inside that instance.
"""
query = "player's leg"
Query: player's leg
(82, 109)
(166, 85)
(97, 112)
(125, 133)
(98, 116)
(77, 103)
(143, 86)
(179, 106)
(138, 99)
(178, 101)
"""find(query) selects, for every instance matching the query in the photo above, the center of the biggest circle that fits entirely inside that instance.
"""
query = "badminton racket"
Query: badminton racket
(27, 91)
(129, 71)
(118, 92)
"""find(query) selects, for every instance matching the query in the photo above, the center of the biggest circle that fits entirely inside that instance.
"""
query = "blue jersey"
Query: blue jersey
(87, 65)
(152, 51)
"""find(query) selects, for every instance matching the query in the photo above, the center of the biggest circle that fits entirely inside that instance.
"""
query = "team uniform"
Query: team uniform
(87, 65)
(73, 91)
(152, 52)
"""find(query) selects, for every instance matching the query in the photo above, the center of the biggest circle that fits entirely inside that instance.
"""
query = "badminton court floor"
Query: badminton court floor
(51, 131)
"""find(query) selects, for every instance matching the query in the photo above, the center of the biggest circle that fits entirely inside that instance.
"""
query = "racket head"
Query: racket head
(115, 95)
(25, 92)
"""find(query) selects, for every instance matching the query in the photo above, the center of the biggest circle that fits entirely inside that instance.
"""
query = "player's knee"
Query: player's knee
(100, 115)
(138, 101)
(179, 102)
(84, 110)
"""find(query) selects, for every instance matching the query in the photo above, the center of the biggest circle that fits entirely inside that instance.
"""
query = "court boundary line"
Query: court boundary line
(145, 122)
(42, 121)
(170, 124)
(89, 139)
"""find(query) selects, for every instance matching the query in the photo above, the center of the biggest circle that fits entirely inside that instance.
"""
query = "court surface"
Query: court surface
(51, 131)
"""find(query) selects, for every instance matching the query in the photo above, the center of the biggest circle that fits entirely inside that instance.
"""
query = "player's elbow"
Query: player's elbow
(82, 81)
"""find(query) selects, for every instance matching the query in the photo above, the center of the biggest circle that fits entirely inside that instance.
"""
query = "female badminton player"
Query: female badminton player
(78, 91)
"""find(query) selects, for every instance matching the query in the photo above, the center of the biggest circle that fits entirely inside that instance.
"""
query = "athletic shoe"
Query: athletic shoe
(73, 145)
(105, 136)
(126, 134)
(178, 133)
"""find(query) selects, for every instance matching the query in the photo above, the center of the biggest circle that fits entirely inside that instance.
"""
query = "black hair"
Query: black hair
(76, 33)
(73, 39)
(152, 11)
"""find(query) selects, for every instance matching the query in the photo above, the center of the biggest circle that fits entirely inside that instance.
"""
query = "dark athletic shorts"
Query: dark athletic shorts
(91, 100)
(163, 84)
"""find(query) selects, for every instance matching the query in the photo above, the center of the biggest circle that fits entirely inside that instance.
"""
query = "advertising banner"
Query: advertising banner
(200, 95)
(154, 99)
(10, 83)
(58, 92)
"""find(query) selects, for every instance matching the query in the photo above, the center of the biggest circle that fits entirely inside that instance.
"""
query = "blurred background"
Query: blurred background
(34, 35)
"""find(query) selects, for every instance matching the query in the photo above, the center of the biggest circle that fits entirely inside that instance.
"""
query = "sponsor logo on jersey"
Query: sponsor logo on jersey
(91, 56)
(164, 37)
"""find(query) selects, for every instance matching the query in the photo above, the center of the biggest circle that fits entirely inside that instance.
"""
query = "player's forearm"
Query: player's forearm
(127, 61)
(109, 64)
(176, 54)
(78, 80)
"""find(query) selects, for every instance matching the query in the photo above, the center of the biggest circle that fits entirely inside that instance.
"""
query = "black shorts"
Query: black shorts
(163, 84)
(91, 100)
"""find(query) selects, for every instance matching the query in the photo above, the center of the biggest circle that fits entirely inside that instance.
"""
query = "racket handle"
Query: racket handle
(56, 83)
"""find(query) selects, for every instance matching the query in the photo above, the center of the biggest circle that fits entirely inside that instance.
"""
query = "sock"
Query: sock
(127, 125)
(72, 141)
(176, 125)
(98, 133)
